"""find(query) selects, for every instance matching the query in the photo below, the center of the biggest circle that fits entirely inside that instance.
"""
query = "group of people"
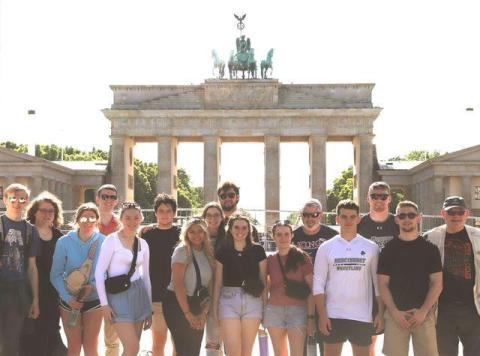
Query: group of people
(376, 274)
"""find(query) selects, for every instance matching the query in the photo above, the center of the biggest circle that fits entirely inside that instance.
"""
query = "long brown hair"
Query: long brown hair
(295, 256)
(46, 197)
(229, 236)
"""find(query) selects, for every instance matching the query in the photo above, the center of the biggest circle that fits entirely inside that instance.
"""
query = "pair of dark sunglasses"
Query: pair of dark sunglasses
(230, 195)
(403, 216)
(456, 212)
(108, 197)
(311, 215)
(379, 196)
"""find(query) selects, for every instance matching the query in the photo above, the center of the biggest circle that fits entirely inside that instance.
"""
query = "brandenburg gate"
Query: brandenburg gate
(249, 110)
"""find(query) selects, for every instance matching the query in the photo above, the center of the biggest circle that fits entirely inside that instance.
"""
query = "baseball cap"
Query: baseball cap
(454, 202)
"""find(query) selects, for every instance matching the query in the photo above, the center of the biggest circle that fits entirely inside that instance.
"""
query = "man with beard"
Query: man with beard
(410, 281)
(228, 197)
(379, 226)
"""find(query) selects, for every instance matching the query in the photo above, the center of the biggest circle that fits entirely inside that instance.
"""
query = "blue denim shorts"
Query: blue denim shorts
(132, 305)
(285, 316)
(236, 304)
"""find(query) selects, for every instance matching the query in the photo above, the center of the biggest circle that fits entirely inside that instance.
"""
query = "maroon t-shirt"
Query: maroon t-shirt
(277, 290)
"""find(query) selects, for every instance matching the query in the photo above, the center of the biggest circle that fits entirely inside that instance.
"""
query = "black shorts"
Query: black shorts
(357, 332)
(87, 306)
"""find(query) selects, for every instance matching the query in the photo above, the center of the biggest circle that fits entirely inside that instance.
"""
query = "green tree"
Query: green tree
(14, 147)
(342, 189)
(417, 155)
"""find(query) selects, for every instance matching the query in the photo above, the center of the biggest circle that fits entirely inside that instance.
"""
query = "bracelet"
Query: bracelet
(311, 316)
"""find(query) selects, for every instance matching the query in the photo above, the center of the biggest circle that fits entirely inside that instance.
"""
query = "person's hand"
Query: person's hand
(194, 321)
(34, 310)
(147, 323)
(108, 313)
(311, 328)
(324, 325)
(417, 317)
(401, 318)
(75, 304)
(378, 323)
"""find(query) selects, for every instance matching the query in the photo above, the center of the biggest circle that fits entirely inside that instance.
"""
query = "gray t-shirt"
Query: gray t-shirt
(190, 279)
(15, 249)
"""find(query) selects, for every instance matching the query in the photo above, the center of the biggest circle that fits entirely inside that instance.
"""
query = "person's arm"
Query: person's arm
(310, 306)
(400, 317)
(320, 275)
(217, 285)
(103, 263)
(33, 278)
(262, 266)
(57, 271)
(178, 276)
(434, 290)
(378, 319)
(146, 280)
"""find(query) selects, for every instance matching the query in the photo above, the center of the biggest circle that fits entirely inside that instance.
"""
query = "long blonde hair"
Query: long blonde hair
(206, 245)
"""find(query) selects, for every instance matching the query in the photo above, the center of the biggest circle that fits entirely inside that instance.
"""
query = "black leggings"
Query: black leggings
(187, 340)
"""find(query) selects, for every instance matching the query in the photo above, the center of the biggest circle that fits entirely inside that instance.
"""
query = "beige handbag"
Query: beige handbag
(79, 277)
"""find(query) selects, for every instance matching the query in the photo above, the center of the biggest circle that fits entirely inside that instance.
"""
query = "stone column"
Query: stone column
(122, 166)
(167, 165)
(272, 178)
(36, 185)
(9, 180)
(318, 168)
(363, 176)
(68, 197)
(438, 196)
(51, 186)
(467, 190)
(211, 164)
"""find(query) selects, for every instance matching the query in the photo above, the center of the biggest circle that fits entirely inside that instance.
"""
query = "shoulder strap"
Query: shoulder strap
(134, 260)
(198, 285)
(92, 250)
(281, 268)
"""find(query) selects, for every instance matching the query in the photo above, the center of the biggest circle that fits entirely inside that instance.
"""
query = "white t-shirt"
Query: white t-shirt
(346, 272)
(116, 259)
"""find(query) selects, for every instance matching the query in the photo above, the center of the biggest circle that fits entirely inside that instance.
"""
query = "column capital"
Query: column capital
(366, 137)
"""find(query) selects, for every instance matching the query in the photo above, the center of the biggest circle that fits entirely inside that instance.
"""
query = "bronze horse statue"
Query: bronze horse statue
(267, 64)
(218, 64)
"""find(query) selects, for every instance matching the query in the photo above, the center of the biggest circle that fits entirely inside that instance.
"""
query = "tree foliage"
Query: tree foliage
(145, 174)
(342, 189)
(417, 155)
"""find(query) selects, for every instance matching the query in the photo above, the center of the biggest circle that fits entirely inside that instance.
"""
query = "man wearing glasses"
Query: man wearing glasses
(312, 233)
(459, 303)
(19, 246)
(228, 197)
(410, 281)
(379, 226)
(107, 200)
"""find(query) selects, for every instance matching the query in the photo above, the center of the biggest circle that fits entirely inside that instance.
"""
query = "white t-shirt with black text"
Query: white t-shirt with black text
(345, 272)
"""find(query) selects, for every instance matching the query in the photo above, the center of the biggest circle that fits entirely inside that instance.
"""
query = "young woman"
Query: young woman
(130, 310)
(239, 294)
(287, 318)
(193, 254)
(71, 252)
(45, 212)
(213, 216)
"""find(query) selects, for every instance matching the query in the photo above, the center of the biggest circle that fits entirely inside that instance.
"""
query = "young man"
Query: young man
(19, 246)
(379, 226)
(459, 302)
(228, 197)
(106, 200)
(344, 279)
(312, 233)
(410, 281)
(162, 238)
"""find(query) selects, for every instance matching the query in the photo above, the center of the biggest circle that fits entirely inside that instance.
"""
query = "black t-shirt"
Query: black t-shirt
(240, 265)
(409, 265)
(379, 232)
(161, 244)
(311, 243)
(47, 292)
(458, 268)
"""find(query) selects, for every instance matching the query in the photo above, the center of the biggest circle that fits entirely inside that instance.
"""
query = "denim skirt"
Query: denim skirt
(132, 305)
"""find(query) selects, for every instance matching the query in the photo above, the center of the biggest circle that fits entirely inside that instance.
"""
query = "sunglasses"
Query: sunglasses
(230, 195)
(311, 215)
(85, 219)
(381, 196)
(403, 216)
(129, 205)
(282, 222)
(108, 197)
(15, 199)
(455, 212)
(47, 211)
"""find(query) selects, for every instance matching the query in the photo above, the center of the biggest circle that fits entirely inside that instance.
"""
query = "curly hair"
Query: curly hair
(46, 197)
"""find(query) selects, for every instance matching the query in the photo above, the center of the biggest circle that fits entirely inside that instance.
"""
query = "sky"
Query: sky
(59, 58)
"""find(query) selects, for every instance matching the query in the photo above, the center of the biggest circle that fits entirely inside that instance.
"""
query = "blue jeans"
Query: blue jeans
(458, 322)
